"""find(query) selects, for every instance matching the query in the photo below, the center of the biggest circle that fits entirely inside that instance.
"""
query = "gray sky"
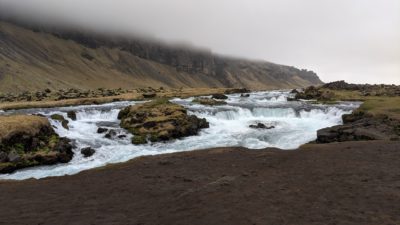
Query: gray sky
(354, 40)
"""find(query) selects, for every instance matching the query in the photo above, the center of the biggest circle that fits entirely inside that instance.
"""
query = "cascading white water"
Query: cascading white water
(295, 123)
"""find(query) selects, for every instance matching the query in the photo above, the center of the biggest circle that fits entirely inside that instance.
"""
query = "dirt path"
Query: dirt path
(349, 183)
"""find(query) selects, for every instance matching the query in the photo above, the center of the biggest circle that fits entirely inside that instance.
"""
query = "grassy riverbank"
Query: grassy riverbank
(375, 105)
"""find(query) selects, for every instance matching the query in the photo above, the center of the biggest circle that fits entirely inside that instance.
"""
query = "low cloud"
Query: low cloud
(354, 40)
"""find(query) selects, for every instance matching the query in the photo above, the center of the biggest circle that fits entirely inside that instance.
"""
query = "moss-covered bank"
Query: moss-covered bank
(27, 141)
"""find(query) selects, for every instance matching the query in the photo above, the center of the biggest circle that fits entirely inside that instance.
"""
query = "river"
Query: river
(295, 122)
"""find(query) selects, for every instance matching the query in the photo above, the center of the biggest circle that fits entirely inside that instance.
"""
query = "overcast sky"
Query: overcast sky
(354, 40)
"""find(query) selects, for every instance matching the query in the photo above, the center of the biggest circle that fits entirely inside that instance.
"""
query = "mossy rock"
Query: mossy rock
(139, 140)
(208, 101)
(159, 120)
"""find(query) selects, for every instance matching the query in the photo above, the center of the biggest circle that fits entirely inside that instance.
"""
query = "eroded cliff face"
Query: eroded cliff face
(34, 58)
(191, 60)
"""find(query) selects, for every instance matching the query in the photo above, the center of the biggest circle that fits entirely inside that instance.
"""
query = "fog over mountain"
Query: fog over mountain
(354, 40)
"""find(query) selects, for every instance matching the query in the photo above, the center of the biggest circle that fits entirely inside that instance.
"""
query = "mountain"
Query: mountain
(35, 58)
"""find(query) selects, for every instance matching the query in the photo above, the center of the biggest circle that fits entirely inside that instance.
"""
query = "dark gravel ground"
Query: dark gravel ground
(346, 183)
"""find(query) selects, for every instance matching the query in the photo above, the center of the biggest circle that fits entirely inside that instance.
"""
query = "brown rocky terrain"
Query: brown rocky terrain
(34, 58)
(360, 126)
(342, 183)
(27, 141)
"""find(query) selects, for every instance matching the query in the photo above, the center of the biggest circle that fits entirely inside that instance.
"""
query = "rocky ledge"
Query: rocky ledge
(361, 126)
(159, 120)
(27, 141)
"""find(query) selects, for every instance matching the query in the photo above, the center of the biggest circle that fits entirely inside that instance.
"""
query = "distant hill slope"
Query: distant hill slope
(32, 59)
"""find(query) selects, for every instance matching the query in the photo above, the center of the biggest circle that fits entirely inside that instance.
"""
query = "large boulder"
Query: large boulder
(360, 126)
(315, 93)
(27, 141)
(159, 120)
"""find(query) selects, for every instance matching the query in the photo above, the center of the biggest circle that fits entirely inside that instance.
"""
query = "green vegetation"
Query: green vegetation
(138, 140)
(389, 106)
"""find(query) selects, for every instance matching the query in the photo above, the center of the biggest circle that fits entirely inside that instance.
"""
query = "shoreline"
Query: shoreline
(315, 184)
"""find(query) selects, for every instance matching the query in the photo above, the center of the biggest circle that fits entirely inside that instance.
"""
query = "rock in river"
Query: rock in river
(102, 130)
(159, 120)
(60, 119)
(87, 152)
(261, 126)
(71, 115)
(219, 96)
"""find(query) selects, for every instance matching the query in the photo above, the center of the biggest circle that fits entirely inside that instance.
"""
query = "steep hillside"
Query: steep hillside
(37, 58)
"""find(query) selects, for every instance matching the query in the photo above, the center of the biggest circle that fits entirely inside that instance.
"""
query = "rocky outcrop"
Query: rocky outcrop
(314, 93)
(342, 85)
(365, 89)
(159, 120)
(360, 126)
(27, 141)
(208, 101)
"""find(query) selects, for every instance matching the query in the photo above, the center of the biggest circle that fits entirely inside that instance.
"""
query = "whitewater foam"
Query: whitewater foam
(295, 123)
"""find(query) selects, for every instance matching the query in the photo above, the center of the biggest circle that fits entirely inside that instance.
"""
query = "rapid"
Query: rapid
(295, 123)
